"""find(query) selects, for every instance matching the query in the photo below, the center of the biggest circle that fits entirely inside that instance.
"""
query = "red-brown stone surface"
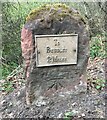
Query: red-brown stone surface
(27, 48)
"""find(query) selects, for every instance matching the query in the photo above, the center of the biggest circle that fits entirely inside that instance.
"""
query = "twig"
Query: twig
(14, 71)
(2, 63)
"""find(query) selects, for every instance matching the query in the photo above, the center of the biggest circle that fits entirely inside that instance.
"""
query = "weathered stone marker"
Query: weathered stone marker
(55, 48)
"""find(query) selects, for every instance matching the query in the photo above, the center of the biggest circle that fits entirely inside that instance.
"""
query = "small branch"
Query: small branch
(14, 71)
(102, 8)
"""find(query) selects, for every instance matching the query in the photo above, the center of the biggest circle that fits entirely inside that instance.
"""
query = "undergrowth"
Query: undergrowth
(98, 47)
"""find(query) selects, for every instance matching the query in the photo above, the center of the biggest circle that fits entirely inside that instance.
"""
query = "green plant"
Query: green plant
(8, 68)
(99, 84)
(97, 47)
(7, 86)
(68, 115)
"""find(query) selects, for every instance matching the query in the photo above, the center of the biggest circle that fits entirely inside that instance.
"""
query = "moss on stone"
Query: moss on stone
(55, 11)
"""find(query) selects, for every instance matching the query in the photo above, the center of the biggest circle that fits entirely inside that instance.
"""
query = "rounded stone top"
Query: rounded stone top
(57, 18)
(57, 11)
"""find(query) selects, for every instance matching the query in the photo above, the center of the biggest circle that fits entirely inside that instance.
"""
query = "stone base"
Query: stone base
(58, 87)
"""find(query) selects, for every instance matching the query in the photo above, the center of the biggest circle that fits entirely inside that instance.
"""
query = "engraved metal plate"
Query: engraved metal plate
(56, 49)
